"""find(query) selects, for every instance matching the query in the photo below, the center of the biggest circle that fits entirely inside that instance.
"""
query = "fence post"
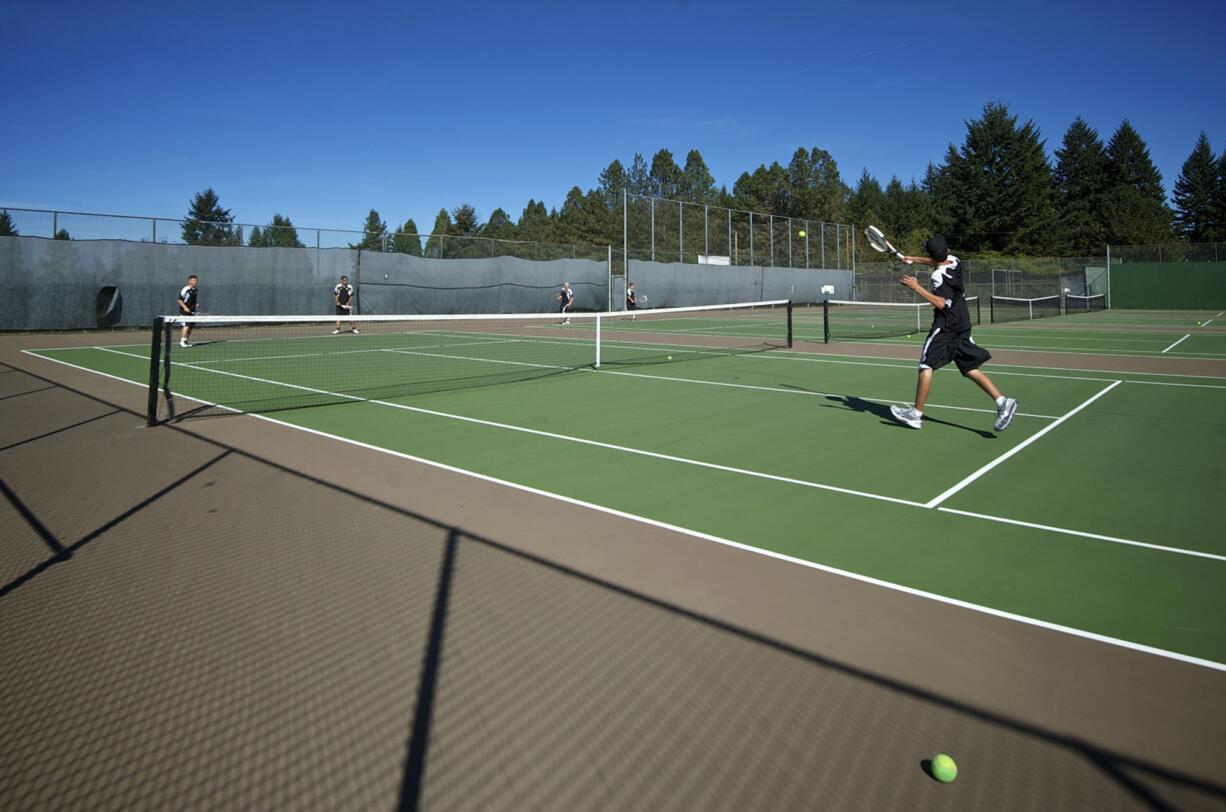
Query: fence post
(680, 231)
(625, 239)
(706, 230)
(772, 229)
(1108, 276)
(791, 263)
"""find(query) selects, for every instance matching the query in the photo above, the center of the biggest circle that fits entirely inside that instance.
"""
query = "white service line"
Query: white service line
(1016, 449)
(1177, 343)
(1206, 324)
(1083, 534)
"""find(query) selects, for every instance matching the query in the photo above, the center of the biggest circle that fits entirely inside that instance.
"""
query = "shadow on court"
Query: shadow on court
(232, 632)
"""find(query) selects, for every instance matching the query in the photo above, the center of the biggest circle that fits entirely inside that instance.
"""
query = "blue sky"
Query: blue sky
(321, 111)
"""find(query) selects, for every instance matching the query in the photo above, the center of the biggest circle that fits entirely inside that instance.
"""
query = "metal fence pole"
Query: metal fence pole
(706, 236)
(1108, 276)
(653, 229)
(680, 231)
(823, 224)
(751, 238)
(155, 229)
(807, 229)
(791, 264)
(772, 229)
(625, 237)
(55, 223)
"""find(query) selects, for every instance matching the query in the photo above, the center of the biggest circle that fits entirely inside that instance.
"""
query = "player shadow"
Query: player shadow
(882, 410)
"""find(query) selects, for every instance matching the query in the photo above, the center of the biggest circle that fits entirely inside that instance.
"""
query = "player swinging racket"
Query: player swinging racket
(342, 294)
(566, 297)
(950, 336)
(189, 298)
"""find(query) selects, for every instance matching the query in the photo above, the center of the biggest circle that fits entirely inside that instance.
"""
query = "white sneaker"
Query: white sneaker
(1004, 414)
(566, 322)
(355, 331)
(908, 415)
(183, 343)
(336, 332)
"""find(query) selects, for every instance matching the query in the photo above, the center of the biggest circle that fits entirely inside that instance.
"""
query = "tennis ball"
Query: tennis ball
(943, 768)
(670, 358)
(802, 234)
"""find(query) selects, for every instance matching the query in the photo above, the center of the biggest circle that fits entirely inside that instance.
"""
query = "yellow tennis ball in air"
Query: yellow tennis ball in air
(670, 358)
(802, 234)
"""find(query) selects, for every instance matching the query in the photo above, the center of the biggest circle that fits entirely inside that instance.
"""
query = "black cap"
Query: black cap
(936, 248)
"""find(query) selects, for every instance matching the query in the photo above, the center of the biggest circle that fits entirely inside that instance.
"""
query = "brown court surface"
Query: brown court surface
(232, 614)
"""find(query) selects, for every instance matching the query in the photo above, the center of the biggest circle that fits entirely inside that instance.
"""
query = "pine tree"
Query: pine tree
(1219, 201)
(437, 244)
(697, 184)
(903, 212)
(665, 175)
(280, 233)
(406, 240)
(767, 191)
(534, 223)
(7, 227)
(207, 222)
(465, 221)
(1135, 204)
(1081, 182)
(611, 183)
(1195, 193)
(500, 226)
(815, 189)
(999, 185)
(638, 179)
(867, 204)
(373, 232)
(256, 238)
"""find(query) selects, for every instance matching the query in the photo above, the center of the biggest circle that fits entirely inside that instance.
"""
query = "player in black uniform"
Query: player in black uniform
(342, 294)
(950, 336)
(189, 299)
(632, 300)
(567, 298)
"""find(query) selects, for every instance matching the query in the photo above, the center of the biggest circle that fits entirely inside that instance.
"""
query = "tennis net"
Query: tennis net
(1075, 303)
(1009, 308)
(848, 321)
(268, 363)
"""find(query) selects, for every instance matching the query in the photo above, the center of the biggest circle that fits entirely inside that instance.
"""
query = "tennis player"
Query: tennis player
(189, 299)
(566, 297)
(950, 336)
(632, 300)
(342, 294)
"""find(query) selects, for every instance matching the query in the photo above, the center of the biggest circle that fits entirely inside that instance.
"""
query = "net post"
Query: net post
(789, 323)
(992, 301)
(167, 342)
(825, 321)
(155, 356)
(597, 341)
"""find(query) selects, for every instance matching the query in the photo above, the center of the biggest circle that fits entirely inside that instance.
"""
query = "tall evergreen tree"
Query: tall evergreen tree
(1081, 183)
(767, 191)
(697, 184)
(535, 224)
(62, 234)
(867, 204)
(1135, 204)
(7, 227)
(904, 214)
(406, 240)
(1219, 200)
(665, 175)
(256, 238)
(436, 243)
(373, 232)
(611, 183)
(815, 189)
(280, 233)
(638, 179)
(500, 226)
(465, 221)
(207, 223)
(999, 185)
(1195, 193)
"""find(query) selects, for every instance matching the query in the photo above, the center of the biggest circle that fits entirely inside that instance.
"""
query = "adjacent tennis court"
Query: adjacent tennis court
(1097, 512)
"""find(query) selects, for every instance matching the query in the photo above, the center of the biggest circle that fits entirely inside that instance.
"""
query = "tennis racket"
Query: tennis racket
(640, 299)
(879, 243)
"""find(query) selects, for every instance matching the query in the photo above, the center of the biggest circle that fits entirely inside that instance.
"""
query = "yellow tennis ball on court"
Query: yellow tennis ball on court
(802, 234)
(670, 358)
(943, 768)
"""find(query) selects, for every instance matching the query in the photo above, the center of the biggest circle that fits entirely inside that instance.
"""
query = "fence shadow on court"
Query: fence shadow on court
(346, 651)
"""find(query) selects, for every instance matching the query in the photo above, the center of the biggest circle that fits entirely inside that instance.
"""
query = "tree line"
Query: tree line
(999, 191)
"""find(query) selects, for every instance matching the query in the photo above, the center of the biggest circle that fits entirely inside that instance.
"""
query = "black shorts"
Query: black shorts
(343, 311)
(943, 346)
(562, 308)
(632, 306)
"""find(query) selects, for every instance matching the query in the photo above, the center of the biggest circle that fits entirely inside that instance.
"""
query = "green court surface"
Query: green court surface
(1099, 511)
(1175, 334)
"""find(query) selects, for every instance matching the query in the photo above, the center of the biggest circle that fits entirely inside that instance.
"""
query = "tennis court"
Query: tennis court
(1098, 513)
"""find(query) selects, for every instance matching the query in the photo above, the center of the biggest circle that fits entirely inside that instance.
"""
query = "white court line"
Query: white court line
(997, 345)
(1206, 324)
(1017, 448)
(987, 610)
(551, 435)
(1177, 343)
(1099, 537)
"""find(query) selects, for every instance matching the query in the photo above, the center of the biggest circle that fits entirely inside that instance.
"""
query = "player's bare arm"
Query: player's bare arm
(930, 297)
